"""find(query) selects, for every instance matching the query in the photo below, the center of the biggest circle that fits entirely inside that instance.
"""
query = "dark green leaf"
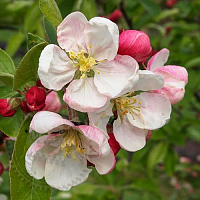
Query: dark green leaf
(51, 11)
(7, 92)
(7, 68)
(10, 147)
(11, 125)
(193, 63)
(24, 186)
(50, 31)
(27, 69)
(33, 40)
(89, 5)
(170, 162)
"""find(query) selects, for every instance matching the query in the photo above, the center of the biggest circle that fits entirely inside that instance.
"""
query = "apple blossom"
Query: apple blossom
(87, 61)
(137, 114)
(175, 77)
(62, 158)
(136, 44)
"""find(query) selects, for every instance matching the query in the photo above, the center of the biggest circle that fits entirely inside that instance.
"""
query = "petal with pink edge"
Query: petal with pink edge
(155, 111)
(37, 153)
(102, 38)
(45, 121)
(70, 32)
(65, 172)
(82, 95)
(111, 77)
(55, 68)
(148, 81)
(128, 136)
(158, 60)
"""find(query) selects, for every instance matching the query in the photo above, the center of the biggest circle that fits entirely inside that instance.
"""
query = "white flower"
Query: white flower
(62, 158)
(89, 59)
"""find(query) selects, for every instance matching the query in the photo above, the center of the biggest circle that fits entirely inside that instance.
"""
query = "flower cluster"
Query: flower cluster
(99, 72)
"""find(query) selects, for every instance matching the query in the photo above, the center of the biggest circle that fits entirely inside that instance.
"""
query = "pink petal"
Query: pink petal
(82, 95)
(45, 121)
(70, 32)
(129, 137)
(55, 68)
(103, 36)
(111, 77)
(158, 60)
(148, 81)
(154, 112)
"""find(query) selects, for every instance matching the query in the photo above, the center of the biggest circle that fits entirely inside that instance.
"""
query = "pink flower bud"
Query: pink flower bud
(115, 16)
(135, 44)
(171, 3)
(6, 109)
(149, 135)
(23, 105)
(113, 143)
(52, 102)
(35, 98)
(1, 168)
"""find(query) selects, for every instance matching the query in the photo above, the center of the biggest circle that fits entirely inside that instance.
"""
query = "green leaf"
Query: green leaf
(89, 5)
(157, 155)
(7, 68)
(51, 11)
(50, 31)
(27, 69)
(11, 125)
(170, 162)
(14, 43)
(151, 6)
(10, 147)
(33, 40)
(83, 117)
(24, 186)
(7, 92)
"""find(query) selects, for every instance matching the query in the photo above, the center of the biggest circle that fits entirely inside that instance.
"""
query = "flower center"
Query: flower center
(72, 140)
(84, 61)
(126, 104)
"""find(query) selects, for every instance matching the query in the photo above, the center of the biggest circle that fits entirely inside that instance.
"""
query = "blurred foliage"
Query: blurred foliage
(157, 171)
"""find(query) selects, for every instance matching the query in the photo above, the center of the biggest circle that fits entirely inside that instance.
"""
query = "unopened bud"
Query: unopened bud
(8, 107)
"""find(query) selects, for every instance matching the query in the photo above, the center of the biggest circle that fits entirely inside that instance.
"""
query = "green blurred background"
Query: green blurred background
(168, 167)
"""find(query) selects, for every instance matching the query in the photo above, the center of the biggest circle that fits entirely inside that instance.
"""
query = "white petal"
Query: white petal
(55, 68)
(70, 32)
(64, 172)
(158, 60)
(37, 153)
(103, 36)
(45, 121)
(155, 111)
(82, 95)
(129, 137)
(111, 77)
(148, 81)
(101, 117)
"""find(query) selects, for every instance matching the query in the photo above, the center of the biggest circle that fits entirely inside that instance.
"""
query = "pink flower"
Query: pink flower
(135, 44)
(87, 61)
(62, 158)
(52, 102)
(175, 77)
(35, 98)
(6, 109)
(115, 15)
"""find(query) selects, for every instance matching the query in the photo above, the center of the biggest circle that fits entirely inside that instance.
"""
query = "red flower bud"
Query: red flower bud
(113, 143)
(115, 16)
(6, 108)
(149, 135)
(171, 3)
(35, 98)
(23, 105)
(135, 44)
(168, 29)
(1, 168)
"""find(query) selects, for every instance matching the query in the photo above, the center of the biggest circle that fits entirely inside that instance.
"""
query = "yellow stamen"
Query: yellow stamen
(102, 61)
(98, 72)
(90, 46)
